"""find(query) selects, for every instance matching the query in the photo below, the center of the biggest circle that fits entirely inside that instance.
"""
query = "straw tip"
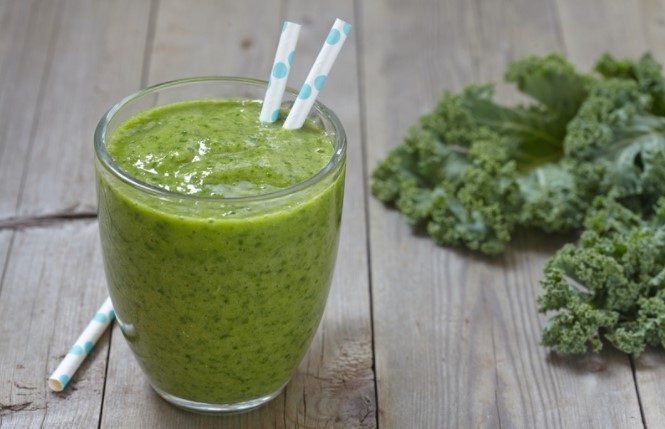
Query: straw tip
(339, 21)
(292, 25)
(58, 383)
(55, 385)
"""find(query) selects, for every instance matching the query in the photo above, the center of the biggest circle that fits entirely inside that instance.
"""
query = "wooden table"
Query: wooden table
(414, 335)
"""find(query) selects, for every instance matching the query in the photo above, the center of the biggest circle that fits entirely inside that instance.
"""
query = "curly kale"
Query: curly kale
(611, 285)
(646, 72)
(472, 171)
(586, 154)
(618, 145)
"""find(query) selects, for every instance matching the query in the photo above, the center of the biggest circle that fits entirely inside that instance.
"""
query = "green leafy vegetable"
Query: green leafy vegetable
(587, 152)
(613, 283)
(618, 145)
(472, 171)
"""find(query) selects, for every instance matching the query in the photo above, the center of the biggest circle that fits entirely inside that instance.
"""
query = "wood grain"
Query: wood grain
(420, 371)
(52, 286)
(593, 27)
(652, 13)
(25, 30)
(334, 385)
(97, 52)
(214, 38)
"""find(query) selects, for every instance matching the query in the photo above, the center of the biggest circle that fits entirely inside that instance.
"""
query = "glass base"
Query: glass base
(214, 408)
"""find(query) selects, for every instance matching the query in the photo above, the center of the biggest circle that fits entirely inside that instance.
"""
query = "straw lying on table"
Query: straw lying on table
(82, 347)
(315, 79)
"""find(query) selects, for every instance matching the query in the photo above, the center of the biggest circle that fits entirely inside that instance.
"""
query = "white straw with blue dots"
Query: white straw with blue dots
(81, 349)
(280, 72)
(318, 74)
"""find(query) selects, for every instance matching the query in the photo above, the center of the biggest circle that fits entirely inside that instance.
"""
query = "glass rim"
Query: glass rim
(110, 165)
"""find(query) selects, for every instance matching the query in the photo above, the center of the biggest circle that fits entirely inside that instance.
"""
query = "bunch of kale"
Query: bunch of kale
(589, 152)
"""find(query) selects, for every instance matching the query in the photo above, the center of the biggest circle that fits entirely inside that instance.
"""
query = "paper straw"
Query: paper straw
(280, 72)
(81, 349)
(318, 74)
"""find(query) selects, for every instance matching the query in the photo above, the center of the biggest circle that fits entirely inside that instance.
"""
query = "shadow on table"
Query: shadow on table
(579, 364)
(530, 241)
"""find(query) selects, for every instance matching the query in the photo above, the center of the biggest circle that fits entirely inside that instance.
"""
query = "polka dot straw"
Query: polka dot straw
(280, 72)
(82, 348)
(318, 74)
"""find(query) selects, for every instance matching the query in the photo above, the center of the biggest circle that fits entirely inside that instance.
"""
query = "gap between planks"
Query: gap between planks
(45, 220)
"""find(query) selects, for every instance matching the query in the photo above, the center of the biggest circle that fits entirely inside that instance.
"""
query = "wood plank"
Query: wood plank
(334, 385)
(649, 373)
(98, 52)
(593, 27)
(523, 399)
(650, 366)
(52, 285)
(652, 14)
(511, 30)
(228, 39)
(25, 30)
(455, 333)
(414, 358)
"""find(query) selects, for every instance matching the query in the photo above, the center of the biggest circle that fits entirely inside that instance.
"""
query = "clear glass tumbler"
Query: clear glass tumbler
(218, 298)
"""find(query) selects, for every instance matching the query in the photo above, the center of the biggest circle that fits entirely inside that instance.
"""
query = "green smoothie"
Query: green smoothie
(219, 284)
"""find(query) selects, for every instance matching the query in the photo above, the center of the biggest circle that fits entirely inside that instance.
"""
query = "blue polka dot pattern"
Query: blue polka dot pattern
(333, 37)
(76, 350)
(82, 347)
(63, 380)
(319, 81)
(279, 71)
(305, 92)
(275, 115)
(317, 75)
